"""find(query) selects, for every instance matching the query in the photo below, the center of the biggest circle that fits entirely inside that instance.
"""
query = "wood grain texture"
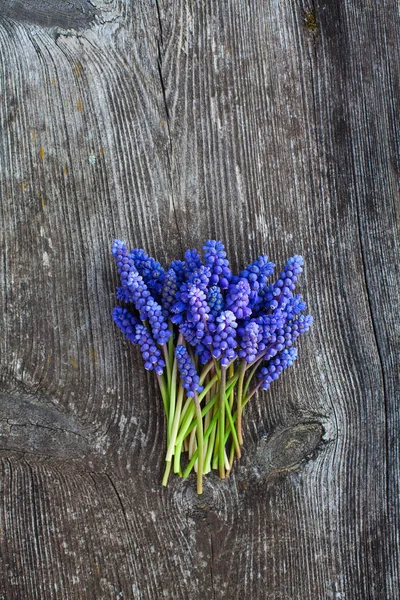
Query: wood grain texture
(274, 127)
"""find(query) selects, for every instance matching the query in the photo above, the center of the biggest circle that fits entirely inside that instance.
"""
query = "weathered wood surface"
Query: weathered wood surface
(273, 126)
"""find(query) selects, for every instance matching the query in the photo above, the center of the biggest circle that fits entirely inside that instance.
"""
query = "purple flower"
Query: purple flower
(237, 299)
(192, 261)
(222, 337)
(215, 259)
(278, 294)
(200, 277)
(275, 367)
(168, 291)
(138, 292)
(215, 300)
(294, 307)
(192, 300)
(187, 371)
(123, 260)
(258, 272)
(250, 338)
(293, 329)
(149, 268)
(158, 325)
(150, 353)
(179, 267)
(269, 325)
(126, 322)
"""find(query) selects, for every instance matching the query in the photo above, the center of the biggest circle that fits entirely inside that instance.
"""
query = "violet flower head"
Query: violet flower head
(187, 372)
(126, 322)
(269, 325)
(200, 277)
(258, 272)
(222, 337)
(123, 260)
(215, 259)
(278, 294)
(237, 299)
(250, 338)
(153, 360)
(179, 267)
(138, 292)
(168, 291)
(215, 300)
(293, 329)
(192, 261)
(294, 307)
(149, 268)
(275, 367)
(156, 320)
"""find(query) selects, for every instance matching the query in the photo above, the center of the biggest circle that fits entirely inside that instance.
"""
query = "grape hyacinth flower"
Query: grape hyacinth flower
(215, 259)
(213, 340)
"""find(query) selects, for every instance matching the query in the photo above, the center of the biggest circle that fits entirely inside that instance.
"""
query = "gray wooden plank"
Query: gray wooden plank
(165, 125)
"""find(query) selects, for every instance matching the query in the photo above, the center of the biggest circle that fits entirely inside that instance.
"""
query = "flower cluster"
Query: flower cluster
(211, 336)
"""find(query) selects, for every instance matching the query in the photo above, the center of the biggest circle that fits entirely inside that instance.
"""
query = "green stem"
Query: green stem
(171, 344)
(187, 424)
(177, 458)
(175, 425)
(172, 392)
(213, 432)
(208, 387)
(164, 393)
(221, 423)
(200, 446)
(233, 430)
(166, 473)
(210, 430)
(239, 401)
(167, 364)
(206, 369)
(231, 457)
(249, 378)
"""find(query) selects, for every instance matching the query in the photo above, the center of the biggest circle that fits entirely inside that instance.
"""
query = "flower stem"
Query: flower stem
(233, 430)
(221, 424)
(166, 473)
(167, 364)
(175, 425)
(164, 394)
(200, 445)
(239, 401)
(209, 432)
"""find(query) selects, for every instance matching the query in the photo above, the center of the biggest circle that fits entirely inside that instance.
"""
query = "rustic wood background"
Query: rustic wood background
(273, 126)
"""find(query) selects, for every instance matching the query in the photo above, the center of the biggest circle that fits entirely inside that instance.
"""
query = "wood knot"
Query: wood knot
(287, 449)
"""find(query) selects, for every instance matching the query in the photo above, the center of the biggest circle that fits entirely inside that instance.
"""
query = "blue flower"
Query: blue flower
(187, 371)
(150, 353)
(215, 300)
(275, 367)
(168, 291)
(278, 294)
(222, 337)
(179, 267)
(237, 299)
(215, 259)
(156, 320)
(258, 272)
(138, 292)
(192, 261)
(149, 268)
(250, 337)
(123, 260)
(126, 322)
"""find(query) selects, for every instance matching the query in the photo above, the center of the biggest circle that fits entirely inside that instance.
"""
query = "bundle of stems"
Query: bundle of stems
(206, 427)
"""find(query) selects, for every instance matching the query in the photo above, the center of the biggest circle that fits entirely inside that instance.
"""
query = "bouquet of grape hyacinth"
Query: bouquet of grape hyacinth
(213, 340)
